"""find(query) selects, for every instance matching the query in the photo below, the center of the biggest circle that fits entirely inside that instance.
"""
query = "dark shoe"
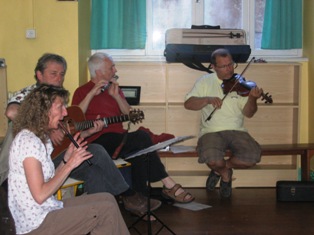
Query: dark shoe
(212, 181)
(137, 204)
(226, 187)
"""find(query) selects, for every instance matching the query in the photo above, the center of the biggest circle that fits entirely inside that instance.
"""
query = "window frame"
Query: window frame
(248, 23)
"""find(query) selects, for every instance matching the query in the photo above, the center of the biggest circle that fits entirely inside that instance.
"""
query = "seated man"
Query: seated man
(111, 102)
(225, 129)
(102, 175)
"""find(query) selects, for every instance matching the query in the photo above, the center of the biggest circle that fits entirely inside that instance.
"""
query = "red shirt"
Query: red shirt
(103, 105)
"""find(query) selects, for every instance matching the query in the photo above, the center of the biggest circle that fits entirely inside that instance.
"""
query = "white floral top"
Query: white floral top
(27, 213)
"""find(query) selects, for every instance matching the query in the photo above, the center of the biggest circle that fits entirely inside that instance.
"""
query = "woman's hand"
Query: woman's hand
(75, 156)
(78, 156)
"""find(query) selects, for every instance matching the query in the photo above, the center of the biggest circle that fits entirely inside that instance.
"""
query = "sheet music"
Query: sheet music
(120, 162)
(160, 145)
(182, 149)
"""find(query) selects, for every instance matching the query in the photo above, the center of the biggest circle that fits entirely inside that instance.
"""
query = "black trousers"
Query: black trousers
(136, 141)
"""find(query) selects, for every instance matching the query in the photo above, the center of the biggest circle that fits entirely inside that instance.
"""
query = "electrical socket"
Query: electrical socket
(30, 33)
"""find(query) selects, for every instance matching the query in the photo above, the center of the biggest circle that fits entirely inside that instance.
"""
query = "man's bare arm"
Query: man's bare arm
(12, 111)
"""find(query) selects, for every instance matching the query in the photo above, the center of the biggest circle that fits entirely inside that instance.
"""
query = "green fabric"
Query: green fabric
(118, 24)
(282, 27)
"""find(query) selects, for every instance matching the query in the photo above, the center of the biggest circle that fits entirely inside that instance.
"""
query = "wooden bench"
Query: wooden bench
(305, 151)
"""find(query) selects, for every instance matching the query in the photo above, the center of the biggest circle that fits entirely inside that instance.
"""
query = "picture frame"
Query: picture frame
(132, 94)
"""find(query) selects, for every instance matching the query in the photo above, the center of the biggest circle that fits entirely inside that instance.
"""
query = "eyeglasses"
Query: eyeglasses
(234, 65)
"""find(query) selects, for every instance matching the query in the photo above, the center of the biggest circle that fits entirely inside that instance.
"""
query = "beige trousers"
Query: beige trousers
(87, 214)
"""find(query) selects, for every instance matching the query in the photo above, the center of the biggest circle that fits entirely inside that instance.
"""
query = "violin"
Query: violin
(241, 86)
(238, 84)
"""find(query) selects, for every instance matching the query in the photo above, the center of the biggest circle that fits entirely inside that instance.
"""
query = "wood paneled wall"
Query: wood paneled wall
(164, 87)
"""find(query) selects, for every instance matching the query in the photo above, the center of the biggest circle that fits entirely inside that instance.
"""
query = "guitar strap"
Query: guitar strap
(124, 139)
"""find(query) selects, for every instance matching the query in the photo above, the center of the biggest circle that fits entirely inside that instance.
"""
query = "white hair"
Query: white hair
(96, 61)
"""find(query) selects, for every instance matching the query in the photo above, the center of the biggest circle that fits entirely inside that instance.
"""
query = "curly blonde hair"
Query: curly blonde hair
(34, 111)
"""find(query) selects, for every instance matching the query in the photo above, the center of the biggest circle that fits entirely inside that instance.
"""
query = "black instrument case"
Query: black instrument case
(295, 191)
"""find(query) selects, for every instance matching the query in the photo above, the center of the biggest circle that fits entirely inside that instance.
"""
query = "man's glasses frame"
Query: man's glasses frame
(234, 65)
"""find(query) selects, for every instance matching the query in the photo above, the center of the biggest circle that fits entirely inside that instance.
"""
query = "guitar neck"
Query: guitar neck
(116, 119)
(80, 126)
(76, 122)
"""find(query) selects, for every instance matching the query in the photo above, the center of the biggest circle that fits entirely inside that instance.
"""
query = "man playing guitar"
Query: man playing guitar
(102, 175)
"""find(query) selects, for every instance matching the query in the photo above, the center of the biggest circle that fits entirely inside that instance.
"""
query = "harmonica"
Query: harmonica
(106, 87)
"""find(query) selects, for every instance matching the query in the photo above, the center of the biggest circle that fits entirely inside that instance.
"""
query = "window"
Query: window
(235, 14)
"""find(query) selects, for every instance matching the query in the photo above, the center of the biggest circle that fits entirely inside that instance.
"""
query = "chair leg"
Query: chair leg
(59, 194)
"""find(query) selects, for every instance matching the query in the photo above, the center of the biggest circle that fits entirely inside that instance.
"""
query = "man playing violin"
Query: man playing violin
(224, 130)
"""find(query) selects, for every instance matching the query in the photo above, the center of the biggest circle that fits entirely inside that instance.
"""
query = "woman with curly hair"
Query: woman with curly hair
(33, 179)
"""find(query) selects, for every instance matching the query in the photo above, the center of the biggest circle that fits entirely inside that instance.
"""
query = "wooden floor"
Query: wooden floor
(250, 211)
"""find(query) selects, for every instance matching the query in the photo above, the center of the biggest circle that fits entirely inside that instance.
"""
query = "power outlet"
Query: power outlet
(30, 33)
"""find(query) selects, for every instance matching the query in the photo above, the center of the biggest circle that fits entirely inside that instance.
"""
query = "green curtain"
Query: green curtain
(282, 27)
(118, 24)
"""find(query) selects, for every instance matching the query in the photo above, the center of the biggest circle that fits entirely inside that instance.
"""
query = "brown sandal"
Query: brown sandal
(180, 198)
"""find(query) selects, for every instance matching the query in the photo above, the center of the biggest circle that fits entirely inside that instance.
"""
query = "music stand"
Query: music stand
(146, 151)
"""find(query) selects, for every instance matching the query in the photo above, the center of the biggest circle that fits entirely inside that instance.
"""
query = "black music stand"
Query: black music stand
(146, 151)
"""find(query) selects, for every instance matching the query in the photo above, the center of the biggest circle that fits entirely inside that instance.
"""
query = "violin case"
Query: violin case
(295, 191)
(196, 45)
(206, 36)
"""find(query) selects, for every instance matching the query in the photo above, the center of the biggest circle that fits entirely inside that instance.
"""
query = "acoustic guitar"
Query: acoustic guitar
(76, 121)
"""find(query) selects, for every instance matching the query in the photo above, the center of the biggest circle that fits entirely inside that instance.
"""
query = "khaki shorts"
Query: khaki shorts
(212, 146)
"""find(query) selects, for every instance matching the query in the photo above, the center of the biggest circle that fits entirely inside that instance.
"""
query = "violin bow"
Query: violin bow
(246, 67)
